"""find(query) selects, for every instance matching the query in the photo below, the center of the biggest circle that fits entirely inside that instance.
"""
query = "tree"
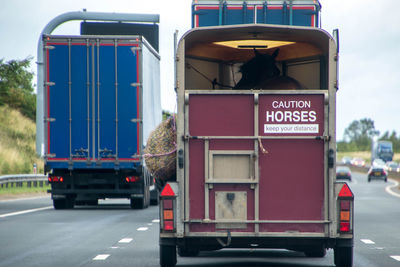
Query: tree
(16, 89)
(360, 133)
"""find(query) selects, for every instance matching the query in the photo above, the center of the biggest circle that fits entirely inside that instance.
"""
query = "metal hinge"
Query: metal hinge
(49, 119)
(136, 84)
(49, 83)
(49, 47)
(136, 120)
(51, 155)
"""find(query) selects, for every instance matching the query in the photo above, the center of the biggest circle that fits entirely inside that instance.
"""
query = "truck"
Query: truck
(101, 100)
(381, 149)
(256, 167)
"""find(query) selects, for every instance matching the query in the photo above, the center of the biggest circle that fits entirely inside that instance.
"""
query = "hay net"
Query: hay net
(160, 151)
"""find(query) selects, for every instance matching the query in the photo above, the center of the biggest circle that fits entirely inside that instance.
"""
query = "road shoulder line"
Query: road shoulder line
(389, 190)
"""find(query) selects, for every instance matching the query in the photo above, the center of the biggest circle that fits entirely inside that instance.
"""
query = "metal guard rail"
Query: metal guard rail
(18, 179)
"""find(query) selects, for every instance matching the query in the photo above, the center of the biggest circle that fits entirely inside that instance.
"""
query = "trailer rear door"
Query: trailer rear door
(92, 100)
(256, 162)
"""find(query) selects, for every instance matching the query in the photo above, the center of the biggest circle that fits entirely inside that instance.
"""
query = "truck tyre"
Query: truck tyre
(184, 252)
(137, 203)
(64, 203)
(141, 203)
(317, 252)
(59, 204)
(167, 256)
(343, 256)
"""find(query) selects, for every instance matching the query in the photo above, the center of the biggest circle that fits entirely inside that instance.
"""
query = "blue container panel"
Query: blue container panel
(238, 15)
(213, 15)
(207, 16)
(128, 104)
(57, 105)
(107, 120)
(80, 104)
(93, 105)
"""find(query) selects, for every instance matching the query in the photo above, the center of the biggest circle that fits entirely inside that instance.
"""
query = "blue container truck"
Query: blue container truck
(279, 12)
(101, 101)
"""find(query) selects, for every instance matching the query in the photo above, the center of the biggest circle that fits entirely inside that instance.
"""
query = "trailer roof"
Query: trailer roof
(294, 42)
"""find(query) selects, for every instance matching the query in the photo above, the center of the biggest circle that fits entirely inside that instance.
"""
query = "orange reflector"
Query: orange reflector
(168, 225)
(345, 215)
(345, 191)
(344, 227)
(167, 191)
(168, 215)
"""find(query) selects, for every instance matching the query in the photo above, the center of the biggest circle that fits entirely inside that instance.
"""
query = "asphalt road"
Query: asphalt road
(32, 233)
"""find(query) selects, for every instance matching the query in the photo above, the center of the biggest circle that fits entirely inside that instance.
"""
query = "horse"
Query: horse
(261, 72)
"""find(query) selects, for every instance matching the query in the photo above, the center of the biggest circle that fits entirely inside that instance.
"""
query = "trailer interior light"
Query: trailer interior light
(250, 44)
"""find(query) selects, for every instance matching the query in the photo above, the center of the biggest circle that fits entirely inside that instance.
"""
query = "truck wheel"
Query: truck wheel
(64, 203)
(59, 204)
(167, 256)
(317, 252)
(69, 202)
(184, 252)
(343, 256)
(137, 203)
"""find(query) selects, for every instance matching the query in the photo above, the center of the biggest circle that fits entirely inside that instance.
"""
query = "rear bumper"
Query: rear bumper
(213, 243)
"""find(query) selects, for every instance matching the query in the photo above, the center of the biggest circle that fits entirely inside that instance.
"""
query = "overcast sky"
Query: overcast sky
(369, 47)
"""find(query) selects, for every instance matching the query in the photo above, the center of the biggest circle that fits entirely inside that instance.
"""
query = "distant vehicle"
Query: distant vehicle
(393, 166)
(343, 172)
(381, 150)
(378, 162)
(347, 160)
(358, 162)
(377, 172)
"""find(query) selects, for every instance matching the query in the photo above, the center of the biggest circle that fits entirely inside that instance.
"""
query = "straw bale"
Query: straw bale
(160, 151)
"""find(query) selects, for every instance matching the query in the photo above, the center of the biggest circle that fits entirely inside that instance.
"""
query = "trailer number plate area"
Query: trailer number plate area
(230, 206)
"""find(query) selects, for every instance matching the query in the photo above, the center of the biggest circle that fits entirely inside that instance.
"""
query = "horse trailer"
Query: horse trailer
(256, 166)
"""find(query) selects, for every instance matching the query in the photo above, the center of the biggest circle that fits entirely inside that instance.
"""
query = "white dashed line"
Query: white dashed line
(367, 241)
(389, 188)
(397, 258)
(125, 240)
(155, 221)
(142, 229)
(24, 212)
(101, 257)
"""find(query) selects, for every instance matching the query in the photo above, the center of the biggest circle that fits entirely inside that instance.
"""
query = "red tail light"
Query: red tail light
(167, 209)
(345, 209)
(132, 179)
(56, 179)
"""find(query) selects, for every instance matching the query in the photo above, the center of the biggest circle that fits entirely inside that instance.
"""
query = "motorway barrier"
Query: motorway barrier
(17, 180)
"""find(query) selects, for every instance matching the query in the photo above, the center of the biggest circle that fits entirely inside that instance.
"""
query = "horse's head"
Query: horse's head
(257, 69)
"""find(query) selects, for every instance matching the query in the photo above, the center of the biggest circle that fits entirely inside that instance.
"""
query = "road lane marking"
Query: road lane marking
(142, 229)
(367, 241)
(125, 240)
(155, 221)
(101, 257)
(22, 199)
(389, 188)
(24, 212)
(397, 258)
